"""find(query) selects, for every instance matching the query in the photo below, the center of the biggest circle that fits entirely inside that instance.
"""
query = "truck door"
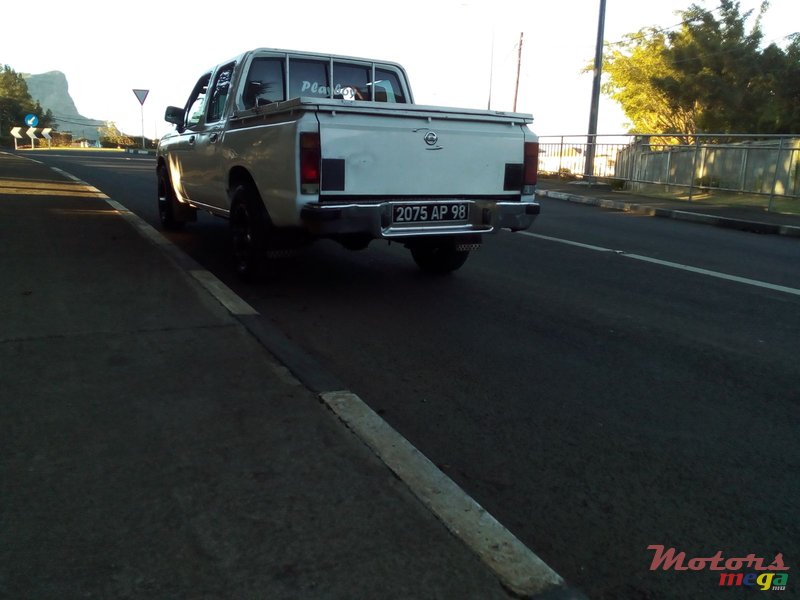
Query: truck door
(205, 177)
(182, 148)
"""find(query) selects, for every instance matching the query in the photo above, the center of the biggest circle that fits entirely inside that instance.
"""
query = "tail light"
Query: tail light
(310, 158)
(531, 166)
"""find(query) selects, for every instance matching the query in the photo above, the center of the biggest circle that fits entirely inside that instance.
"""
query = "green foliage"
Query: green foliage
(634, 71)
(710, 75)
(111, 137)
(59, 139)
(16, 102)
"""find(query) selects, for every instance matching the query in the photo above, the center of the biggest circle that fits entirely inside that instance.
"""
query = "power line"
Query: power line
(84, 122)
(660, 30)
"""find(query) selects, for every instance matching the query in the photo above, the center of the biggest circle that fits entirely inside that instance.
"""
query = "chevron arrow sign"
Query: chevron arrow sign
(31, 132)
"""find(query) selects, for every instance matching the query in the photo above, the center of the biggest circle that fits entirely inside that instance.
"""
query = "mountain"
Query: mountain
(52, 91)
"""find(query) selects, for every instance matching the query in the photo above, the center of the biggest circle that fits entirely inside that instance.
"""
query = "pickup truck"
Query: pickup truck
(292, 147)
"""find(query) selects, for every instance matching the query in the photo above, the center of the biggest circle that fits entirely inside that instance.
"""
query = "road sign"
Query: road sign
(15, 131)
(141, 95)
(31, 133)
(46, 132)
(31, 120)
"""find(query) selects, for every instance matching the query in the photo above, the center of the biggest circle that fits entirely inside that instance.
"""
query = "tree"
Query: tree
(710, 75)
(14, 99)
(61, 139)
(111, 137)
(633, 73)
(778, 85)
(16, 102)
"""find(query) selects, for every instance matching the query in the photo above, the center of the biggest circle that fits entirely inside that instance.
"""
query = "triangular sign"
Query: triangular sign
(141, 95)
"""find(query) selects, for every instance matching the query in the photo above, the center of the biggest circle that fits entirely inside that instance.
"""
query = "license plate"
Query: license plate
(430, 213)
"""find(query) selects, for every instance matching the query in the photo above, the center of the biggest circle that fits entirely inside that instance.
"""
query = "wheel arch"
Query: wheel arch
(239, 175)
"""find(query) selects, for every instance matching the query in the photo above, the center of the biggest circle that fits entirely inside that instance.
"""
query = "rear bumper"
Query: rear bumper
(375, 219)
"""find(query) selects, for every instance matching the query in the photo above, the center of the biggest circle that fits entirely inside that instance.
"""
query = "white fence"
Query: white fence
(750, 164)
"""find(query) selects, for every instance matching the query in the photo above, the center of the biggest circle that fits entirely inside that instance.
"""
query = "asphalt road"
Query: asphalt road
(594, 401)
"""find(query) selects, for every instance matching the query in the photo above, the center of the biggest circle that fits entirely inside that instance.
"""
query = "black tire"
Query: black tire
(167, 201)
(249, 228)
(438, 257)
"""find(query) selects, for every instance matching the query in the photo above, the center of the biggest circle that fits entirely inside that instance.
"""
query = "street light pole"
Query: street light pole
(598, 71)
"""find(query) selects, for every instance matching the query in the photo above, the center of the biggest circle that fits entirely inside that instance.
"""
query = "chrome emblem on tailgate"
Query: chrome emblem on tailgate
(431, 138)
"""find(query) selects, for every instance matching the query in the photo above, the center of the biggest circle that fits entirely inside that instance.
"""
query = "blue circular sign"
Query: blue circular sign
(31, 120)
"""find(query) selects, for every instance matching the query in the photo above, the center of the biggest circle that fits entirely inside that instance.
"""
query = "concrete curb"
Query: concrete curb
(521, 572)
(679, 215)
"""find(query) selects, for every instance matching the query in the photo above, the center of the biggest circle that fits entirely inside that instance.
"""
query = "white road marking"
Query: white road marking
(519, 569)
(672, 265)
(223, 294)
(560, 241)
(718, 275)
(65, 174)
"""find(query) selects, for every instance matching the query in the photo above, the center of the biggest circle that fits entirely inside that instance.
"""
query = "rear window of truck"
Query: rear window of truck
(308, 78)
(350, 81)
(388, 88)
(266, 81)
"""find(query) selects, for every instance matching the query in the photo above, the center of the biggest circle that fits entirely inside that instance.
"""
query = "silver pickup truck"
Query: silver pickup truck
(292, 147)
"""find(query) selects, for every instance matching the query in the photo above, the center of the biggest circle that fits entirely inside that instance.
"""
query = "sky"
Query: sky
(451, 49)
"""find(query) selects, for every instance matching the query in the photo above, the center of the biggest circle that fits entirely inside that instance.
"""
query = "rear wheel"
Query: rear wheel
(439, 257)
(249, 227)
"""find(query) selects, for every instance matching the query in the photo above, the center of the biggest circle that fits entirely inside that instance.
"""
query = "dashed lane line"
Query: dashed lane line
(672, 265)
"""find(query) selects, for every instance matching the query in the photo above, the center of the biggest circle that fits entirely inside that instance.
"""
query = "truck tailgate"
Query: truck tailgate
(382, 151)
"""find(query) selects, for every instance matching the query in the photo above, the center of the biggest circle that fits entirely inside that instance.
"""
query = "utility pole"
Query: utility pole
(491, 74)
(591, 140)
(519, 64)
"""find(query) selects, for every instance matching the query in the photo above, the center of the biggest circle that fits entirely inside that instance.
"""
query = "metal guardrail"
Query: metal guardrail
(760, 165)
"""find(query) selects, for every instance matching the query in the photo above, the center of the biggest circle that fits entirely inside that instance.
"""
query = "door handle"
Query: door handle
(191, 140)
(213, 138)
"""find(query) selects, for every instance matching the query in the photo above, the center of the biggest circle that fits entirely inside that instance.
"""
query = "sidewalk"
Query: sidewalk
(152, 448)
(744, 218)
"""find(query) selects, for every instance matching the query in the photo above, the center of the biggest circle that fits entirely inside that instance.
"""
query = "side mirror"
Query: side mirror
(174, 115)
